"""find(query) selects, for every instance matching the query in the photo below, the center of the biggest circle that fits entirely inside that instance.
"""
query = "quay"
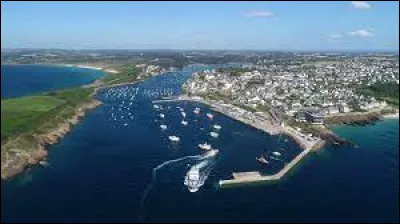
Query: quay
(254, 176)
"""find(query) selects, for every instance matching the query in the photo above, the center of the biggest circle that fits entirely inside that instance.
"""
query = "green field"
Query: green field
(26, 114)
(127, 74)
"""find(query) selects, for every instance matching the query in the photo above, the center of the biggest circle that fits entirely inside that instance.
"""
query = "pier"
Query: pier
(254, 176)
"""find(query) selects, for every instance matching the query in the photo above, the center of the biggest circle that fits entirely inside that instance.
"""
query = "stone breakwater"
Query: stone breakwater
(16, 160)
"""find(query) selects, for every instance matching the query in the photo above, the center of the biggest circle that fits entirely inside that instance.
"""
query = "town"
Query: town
(306, 90)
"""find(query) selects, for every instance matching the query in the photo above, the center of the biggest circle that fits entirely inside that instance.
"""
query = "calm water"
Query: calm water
(99, 172)
(21, 80)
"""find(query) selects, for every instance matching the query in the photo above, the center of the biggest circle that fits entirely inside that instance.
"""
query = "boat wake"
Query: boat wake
(203, 163)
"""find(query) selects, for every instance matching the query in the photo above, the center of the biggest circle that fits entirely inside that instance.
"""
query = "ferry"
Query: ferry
(174, 138)
(192, 179)
(205, 146)
(209, 115)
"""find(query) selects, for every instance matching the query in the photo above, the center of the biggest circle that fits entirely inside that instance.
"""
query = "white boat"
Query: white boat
(192, 179)
(209, 115)
(181, 109)
(276, 153)
(197, 110)
(216, 126)
(184, 122)
(174, 138)
(163, 126)
(205, 146)
(183, 114)
(214, 134)
(162, 115)
(155, 106)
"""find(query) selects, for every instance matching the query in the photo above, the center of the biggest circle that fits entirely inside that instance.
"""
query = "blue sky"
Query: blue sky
(201, 25)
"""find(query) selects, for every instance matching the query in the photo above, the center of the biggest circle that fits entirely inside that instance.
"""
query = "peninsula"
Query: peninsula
(31, 123)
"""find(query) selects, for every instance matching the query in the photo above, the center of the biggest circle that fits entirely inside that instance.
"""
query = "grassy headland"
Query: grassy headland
(30, 123)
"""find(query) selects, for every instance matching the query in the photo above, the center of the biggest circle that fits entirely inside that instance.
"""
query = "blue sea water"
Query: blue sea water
(22, 80)
(101, 170)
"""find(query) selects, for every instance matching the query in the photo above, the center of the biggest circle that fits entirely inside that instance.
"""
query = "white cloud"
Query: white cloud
(335, 36)
(360, 33)
(259, 14)
(361, 5)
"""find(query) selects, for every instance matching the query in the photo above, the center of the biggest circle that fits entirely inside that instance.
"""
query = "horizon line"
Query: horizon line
(183, 49)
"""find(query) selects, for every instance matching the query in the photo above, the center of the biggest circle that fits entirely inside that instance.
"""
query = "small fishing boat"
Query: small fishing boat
(216, 126)
(163, 126)
(214, 134)
(197, 110)
(174, 138)
(276, 153)
(209, 115)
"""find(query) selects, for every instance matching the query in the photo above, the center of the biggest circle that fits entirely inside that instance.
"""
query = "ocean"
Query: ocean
(22, 80)
(104, 169)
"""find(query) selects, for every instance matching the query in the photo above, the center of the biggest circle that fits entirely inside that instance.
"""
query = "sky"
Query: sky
(341, 25)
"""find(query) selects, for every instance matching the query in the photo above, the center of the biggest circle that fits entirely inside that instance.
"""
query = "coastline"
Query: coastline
(39, 151)
(38, 145)
(264, 126)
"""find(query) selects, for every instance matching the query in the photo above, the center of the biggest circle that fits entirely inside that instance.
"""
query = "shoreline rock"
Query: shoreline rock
(21, 162)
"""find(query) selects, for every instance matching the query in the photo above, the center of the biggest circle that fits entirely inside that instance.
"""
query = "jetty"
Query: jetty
(255, 176)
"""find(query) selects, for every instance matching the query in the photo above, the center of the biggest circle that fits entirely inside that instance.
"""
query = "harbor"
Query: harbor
(269, 125)
(259, 121)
